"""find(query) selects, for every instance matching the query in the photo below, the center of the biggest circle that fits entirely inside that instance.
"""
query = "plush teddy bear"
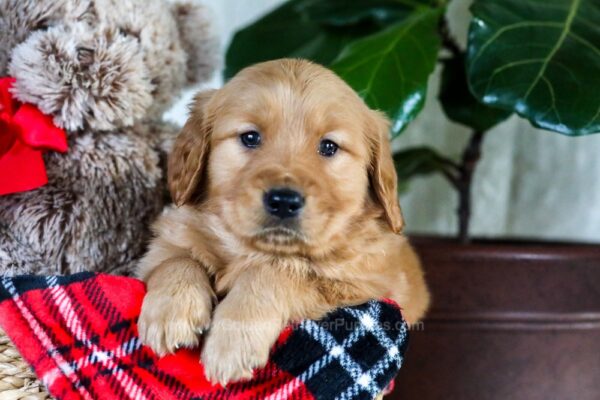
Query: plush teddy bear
(104, 71)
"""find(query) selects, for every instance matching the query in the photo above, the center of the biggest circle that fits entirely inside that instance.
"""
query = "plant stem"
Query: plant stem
(448, 41)
(462, 175)
(463, 184)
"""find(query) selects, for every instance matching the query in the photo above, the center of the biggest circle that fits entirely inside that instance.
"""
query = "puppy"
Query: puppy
(287, 208)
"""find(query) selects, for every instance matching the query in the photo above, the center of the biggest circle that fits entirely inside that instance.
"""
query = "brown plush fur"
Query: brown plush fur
(105, 70)
(95, 212)
(220, 243)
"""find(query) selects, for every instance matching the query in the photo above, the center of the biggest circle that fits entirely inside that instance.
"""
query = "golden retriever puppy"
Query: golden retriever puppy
(287, 208)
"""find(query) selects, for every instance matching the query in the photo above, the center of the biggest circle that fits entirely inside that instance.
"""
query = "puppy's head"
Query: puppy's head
(289, 156)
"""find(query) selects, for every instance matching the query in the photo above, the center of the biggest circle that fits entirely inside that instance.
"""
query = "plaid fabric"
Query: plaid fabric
(79, 333)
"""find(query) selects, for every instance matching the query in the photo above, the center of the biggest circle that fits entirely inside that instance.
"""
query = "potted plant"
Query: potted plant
(517, 320)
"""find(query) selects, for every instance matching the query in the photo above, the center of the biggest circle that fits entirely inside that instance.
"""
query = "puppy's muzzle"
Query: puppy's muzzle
(283, 203)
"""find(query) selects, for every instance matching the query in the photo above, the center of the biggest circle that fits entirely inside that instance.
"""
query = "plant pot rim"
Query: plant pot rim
(518, 250)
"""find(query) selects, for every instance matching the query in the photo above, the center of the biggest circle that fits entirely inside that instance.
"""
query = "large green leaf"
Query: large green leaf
(540, 58)
(458, 102)
(279, 33)
(390, 69)
(351, 12)
(291, 31)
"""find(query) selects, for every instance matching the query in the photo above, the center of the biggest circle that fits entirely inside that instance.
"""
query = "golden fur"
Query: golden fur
(345, 249)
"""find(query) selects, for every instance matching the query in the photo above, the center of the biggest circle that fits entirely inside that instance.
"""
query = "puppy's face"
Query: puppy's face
(288, 155)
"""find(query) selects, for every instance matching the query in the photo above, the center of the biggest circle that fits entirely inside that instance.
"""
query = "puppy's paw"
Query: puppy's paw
(233, 350)
(170, 321)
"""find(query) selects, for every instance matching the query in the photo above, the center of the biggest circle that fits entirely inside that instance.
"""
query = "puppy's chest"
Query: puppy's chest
(260, 270)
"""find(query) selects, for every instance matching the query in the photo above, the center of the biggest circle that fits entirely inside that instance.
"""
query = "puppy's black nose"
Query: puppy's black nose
(283, 203)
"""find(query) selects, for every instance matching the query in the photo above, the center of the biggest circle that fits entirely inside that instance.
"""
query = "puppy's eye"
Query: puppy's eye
(327, 148)
(250, 139)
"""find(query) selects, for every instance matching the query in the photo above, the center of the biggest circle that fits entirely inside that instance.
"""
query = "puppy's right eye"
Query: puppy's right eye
(250, 139)
(327, 148)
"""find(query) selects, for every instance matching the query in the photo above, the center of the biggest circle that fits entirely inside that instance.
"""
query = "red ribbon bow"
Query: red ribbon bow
(24, 133)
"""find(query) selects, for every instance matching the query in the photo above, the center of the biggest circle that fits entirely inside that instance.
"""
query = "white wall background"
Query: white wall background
(530, 183)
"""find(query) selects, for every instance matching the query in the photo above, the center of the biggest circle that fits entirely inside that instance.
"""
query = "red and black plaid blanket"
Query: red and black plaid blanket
(79, 334)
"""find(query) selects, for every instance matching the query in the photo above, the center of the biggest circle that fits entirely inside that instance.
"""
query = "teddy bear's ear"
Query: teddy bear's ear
(199, 40)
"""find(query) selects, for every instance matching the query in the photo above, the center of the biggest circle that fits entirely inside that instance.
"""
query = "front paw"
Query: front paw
(169, 321)
(233, 350)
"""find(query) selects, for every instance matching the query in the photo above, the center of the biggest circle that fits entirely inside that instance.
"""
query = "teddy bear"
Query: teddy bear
(103, 71)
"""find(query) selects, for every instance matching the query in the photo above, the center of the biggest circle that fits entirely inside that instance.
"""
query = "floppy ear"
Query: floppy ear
(188, 158)
(382, 173)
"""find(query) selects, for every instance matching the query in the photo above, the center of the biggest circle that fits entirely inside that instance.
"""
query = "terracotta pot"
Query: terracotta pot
(509, 321)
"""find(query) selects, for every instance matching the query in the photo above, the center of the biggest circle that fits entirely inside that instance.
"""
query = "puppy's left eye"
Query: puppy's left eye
(327, 148)
(250, 139)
